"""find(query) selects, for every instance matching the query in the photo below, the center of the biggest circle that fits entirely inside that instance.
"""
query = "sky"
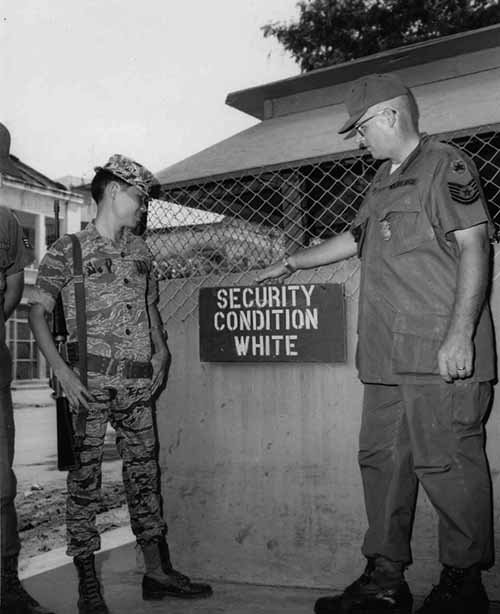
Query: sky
(83, 79)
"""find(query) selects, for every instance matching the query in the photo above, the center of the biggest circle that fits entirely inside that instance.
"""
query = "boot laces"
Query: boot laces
(90, 589)
(365, 577)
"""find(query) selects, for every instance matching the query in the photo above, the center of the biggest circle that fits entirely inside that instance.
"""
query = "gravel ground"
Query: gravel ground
(41, 516)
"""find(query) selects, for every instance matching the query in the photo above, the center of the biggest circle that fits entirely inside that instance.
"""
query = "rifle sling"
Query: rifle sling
(81, 325)
(81, 321)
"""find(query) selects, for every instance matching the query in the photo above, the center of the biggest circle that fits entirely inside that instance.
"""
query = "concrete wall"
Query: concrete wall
(259, 467)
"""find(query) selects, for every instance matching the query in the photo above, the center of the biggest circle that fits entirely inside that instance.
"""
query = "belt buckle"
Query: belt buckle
(128, 367)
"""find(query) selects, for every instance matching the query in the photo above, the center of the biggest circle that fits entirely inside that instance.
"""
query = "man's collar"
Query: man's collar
(409, 159)
(123, 238)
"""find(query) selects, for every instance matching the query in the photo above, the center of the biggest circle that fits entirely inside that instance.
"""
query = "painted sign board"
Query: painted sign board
(273, 323)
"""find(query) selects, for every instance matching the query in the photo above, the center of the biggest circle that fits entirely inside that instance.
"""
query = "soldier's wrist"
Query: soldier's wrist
(288, 264)
(162, 331)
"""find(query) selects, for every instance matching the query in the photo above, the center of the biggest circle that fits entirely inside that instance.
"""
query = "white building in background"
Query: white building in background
(31, 195)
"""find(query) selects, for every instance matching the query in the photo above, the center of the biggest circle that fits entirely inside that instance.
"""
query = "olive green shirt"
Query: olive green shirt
(409, 263)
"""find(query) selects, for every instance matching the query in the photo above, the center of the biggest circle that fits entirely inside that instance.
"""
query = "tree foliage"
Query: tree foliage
(332, 31)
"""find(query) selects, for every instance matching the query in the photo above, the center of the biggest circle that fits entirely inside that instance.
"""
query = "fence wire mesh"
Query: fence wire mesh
(217, 230)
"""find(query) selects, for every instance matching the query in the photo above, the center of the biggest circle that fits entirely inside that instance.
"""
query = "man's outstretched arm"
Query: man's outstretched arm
(329, 251)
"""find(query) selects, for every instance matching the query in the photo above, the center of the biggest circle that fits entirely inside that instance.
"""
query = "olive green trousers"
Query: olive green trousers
(432, 435)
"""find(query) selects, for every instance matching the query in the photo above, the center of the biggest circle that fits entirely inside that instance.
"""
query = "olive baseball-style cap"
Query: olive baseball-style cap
(131, 172)
(367, 91)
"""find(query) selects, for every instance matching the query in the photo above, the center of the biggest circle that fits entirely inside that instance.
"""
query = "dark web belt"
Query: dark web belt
(128, 369)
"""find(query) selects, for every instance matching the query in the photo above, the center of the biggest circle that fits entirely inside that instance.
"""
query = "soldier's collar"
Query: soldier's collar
(123, 238)
(424, 137)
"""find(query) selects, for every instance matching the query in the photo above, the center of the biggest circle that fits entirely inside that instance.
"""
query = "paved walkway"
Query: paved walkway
(51, 577)
(57, 588)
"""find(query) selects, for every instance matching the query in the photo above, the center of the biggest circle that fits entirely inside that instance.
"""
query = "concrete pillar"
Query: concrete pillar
(72, 213)
(40, 238)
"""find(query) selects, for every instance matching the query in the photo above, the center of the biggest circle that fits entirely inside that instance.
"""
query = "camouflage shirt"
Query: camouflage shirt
(119, 287)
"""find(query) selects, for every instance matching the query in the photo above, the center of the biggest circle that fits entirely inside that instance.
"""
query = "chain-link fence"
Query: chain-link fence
(226, 226)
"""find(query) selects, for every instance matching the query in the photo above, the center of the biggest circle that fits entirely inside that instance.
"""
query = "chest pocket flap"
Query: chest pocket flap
(407, 223)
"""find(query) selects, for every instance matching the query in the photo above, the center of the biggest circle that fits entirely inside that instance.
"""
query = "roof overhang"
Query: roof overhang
(53, 192)
(453, 93)
(313, 134)
(266, 144)
(251, 100)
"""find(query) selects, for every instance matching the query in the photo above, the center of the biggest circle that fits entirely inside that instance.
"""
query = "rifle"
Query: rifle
(67, 455)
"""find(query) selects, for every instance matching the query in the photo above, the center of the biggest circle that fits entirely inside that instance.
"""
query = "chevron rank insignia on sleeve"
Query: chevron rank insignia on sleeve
(464, 194)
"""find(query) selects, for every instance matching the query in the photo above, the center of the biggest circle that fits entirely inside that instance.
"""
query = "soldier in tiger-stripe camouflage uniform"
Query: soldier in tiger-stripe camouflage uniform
(127, 359)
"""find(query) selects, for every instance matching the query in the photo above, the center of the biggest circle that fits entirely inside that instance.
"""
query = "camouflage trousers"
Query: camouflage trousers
(128, 409)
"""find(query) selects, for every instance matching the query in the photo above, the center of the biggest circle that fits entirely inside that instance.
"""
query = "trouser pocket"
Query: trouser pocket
(416, 343)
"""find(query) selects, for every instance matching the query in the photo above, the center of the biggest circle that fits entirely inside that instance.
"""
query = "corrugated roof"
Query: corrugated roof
(251, 100)
(313, 133)
(14, 168)
(291, 137)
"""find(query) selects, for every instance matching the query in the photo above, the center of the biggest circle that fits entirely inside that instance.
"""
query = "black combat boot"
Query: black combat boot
(162, 580)
(90, 600)
(14, 599)
(460, 591)
(166, 565)
(381, 588)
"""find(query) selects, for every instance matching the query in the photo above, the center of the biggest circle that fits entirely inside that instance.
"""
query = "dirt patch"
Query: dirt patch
(41, 516)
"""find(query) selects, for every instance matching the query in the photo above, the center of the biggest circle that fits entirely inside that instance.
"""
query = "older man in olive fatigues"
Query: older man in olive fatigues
(425, 354)
(13, 597)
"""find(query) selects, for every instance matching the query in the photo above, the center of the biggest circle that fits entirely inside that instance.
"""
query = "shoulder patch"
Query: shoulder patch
(458, 166)
(464, 194)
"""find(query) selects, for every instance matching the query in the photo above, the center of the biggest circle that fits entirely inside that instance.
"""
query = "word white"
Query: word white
(272, 319)
(265, 345)
(263, 297)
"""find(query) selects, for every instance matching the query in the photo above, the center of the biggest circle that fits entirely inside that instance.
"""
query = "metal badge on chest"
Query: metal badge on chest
(385, 229)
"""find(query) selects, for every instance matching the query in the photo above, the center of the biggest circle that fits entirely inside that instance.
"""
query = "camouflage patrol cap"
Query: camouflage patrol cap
(132, 172)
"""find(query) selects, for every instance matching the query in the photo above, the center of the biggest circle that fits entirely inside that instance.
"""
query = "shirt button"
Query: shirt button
(127, 331)
(125, 281)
